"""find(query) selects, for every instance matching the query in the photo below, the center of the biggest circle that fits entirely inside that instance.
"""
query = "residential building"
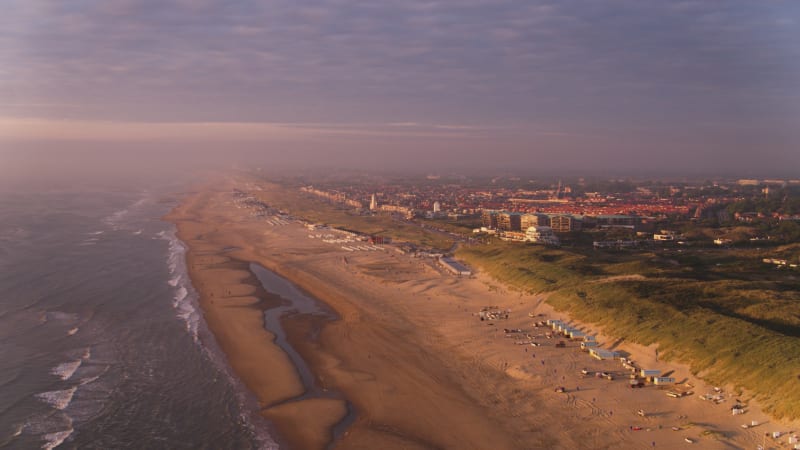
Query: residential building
(509, 221)
(564, 223)
(533, 220)
(489, 219)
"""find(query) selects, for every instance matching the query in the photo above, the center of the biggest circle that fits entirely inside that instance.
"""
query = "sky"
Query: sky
(619, 85)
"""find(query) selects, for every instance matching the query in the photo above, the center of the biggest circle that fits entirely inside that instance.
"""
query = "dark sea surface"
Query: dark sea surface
(101, 342)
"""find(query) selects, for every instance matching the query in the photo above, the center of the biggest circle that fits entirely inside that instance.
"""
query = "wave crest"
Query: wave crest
(66, 370)
(58, 399)
(185, 298)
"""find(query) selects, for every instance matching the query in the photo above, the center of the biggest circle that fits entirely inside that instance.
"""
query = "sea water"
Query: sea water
(101, 341)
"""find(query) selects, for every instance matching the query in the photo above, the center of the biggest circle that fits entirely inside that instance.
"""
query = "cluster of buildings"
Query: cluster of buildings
(333, 196)
(560, 223)
(452, 200)
(541, 227)
(518, 210)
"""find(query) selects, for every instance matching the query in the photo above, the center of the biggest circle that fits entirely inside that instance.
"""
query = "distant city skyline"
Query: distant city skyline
(694, 86)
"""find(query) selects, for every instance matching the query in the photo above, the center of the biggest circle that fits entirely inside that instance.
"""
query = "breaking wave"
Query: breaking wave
(53, 440)
(184, 298)
(115, 220)
(65, 370)
(58, 399)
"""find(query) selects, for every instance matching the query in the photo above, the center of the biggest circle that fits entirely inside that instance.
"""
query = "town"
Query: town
(615, 213)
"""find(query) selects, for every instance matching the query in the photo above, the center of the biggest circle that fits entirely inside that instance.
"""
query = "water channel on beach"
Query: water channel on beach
(295, 301)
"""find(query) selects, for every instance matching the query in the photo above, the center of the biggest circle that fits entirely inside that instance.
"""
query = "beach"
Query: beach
(409, 364)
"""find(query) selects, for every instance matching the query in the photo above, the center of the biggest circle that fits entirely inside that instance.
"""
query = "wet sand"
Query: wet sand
(411, 356)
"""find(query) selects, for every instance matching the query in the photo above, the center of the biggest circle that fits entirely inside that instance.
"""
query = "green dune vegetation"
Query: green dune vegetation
(732, 318)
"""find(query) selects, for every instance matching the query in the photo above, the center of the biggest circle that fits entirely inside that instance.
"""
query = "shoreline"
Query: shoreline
(263, 431)
(415, 379)
(232, 302)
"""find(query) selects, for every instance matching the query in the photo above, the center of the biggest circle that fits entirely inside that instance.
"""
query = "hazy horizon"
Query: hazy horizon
(696, 88)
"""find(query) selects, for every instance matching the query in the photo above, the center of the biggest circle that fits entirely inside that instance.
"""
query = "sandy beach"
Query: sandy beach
(412, 358)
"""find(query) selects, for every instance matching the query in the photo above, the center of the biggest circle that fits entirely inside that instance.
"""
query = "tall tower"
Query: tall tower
(437, 207)
(373, 203)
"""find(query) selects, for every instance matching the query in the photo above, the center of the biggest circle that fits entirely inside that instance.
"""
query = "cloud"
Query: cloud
(571, 64)
(16, 129)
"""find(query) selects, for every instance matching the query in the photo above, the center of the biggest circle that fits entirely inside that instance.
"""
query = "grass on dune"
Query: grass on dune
(728, 326)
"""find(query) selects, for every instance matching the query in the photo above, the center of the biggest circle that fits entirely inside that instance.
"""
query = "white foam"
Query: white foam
(180, 295)
(85, 381)
(72, 331)
(87, 353)
(65, 370)
(61, 316)
(184, 298)
(58, 399)
(115, 219)
(137, 232)
(96, 233)
(56, 439)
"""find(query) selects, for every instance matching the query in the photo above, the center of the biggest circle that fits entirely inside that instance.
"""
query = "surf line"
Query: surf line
(298, 302)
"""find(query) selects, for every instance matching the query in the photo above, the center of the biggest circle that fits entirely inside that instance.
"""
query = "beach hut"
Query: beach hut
(576, 334)
(588, 345)
(650, 373)
(601, 353)
(658, 381)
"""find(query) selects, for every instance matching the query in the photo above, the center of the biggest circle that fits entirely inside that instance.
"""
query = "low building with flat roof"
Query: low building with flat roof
(455, 267)
(601, 353)
(541, 235)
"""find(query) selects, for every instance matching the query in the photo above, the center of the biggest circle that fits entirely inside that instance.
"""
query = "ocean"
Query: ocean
(101, 342)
